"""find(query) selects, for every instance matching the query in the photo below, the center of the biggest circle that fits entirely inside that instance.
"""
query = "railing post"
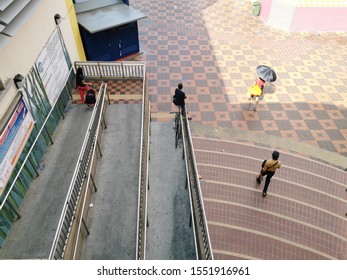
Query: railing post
(60, 110)
(104, 120)
(33, 165)
(91, 177)
(97, 144)
(49, 136)
(85, 226)
(14, 209)
(99, 69)
(122, 70)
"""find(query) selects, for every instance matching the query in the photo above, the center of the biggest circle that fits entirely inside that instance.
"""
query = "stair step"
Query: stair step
(302, 217)
(288, 173)
(257, 245)
(278, 204)
(277, 186)
(261, 153)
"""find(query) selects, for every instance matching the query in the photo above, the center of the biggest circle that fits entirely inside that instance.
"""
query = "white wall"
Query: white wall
(19, 55)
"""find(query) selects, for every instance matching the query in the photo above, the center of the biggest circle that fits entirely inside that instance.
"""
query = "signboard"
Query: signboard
(13, 140)
(52, 67)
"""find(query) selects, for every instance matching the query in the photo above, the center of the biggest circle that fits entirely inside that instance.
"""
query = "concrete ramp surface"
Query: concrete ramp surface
(112, 219)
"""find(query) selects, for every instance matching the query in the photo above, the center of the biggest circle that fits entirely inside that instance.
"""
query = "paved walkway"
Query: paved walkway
(31, 237)
(213, 47)
(302, 216)
(169, 236)
(112, 221)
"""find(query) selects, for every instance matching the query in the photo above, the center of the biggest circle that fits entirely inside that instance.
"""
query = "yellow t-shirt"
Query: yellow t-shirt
(255, 90)
(271, 165)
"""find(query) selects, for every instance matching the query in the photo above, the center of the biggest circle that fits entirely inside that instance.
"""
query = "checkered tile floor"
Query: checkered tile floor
(120, 92)
(213, 47)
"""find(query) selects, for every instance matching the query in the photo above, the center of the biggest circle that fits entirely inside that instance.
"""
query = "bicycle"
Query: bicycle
(178, 126)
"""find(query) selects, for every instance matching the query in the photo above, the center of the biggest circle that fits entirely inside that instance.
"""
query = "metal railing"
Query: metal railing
(27, 158)
(188, 185)
(142, 221)
(66, 243)
(112, 70)
(70, 232)
(200, 228)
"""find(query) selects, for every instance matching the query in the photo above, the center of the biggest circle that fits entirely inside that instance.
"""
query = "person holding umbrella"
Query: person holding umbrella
(255, 91)
(265, 74)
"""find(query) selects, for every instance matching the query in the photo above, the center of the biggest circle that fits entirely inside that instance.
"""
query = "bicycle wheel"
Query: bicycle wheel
(176, 121)
(178, 133)
(176, 138)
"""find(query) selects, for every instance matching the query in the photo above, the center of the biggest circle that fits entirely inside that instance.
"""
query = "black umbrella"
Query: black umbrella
(266, 73)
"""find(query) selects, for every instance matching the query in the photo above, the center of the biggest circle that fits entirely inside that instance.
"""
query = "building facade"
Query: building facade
(305, 15)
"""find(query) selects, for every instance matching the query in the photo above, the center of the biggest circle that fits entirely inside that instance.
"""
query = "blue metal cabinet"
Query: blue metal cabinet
(111, 44)
(108, 29)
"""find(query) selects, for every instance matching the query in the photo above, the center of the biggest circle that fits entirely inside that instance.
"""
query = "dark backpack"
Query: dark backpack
(90, 97)
(174, 101)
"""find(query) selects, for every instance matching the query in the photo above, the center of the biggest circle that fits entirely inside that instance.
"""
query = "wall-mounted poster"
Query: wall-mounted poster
(12, 141)
(52, 67)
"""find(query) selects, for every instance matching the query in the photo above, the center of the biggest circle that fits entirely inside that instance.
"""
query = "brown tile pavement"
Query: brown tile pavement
(120, 91)
(213, 47)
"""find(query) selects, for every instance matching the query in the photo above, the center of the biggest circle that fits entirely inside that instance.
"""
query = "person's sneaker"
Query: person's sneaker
(264, 194)
(259, 179)
(190, 118)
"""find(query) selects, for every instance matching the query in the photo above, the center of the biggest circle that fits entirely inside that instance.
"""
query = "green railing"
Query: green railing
(46, 120)
(68, 238)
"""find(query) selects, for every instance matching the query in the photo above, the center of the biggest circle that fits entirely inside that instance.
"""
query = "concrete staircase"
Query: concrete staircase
(302, 217)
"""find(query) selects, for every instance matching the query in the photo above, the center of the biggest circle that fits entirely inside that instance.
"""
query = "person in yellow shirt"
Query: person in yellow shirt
(268, 169)
(255, 91)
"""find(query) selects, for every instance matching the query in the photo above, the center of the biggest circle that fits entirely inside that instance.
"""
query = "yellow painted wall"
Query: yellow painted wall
(75, 30)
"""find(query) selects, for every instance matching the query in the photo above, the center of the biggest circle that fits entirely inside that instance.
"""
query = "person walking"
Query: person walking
(255, 91)
(268, 169)
(179, 98)
(82, 85)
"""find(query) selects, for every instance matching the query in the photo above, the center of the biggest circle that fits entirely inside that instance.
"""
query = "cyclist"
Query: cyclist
(179, 97)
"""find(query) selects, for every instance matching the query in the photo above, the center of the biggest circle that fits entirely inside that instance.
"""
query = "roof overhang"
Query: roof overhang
(107, 17)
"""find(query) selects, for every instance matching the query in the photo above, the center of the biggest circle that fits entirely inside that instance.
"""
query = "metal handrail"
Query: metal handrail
(112, 70)
(89, 173)
(126, 70)
(143, 177)
(204, 247)
(78, 180)
(188, 185)
(28, 155)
